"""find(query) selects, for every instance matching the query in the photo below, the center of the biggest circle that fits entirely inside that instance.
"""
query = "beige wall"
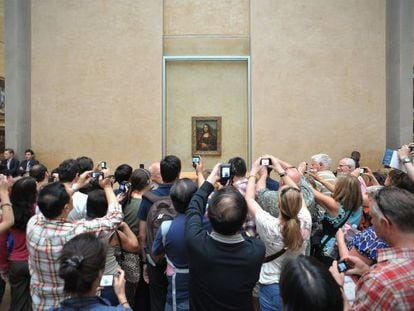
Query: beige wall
(96, 80)
(214, 88)
(318, 76)
(2, 69)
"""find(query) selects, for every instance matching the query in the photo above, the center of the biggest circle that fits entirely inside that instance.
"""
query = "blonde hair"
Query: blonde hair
(348, 192)
(290, 203)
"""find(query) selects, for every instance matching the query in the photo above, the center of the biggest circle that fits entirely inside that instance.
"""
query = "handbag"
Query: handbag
(317, 247)
(274, 256)
(129, 262)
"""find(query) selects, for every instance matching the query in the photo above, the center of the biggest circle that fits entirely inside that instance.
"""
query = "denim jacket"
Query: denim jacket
(87, 303)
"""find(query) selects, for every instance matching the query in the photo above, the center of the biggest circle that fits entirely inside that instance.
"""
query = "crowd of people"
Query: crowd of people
(78, 237)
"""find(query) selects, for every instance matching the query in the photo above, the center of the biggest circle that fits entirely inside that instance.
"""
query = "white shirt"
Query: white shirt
(268, 228)
(79, 206)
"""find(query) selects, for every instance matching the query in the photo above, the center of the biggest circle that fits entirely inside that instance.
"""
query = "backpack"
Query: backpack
(160, 211)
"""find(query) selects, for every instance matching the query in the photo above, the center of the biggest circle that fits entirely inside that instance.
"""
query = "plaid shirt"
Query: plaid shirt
(45, 240)
(389, 285)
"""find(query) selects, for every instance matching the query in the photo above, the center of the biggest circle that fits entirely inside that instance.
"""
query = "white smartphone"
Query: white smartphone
(107, 280)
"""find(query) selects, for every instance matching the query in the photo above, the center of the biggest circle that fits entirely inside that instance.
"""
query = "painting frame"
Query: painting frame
(212, 146)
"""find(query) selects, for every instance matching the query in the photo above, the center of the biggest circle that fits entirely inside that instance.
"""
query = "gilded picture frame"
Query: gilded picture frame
(206, 135)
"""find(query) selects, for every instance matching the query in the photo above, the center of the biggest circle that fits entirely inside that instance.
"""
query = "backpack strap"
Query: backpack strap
(165, 227)
(152, 197)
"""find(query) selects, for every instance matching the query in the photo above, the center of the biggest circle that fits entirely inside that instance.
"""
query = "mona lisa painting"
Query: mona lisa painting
(206, 138)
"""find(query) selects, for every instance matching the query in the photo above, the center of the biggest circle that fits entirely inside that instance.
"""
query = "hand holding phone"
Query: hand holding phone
(106, 280)
(343, 266)
(265, 161)
(195, 160)
(225, 173)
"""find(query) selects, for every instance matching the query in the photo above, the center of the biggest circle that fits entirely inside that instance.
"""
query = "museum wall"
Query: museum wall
(318, 78)
(96, 80)
(318, 74)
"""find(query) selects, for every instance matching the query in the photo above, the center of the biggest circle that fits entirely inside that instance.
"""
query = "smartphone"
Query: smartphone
(224, 173)
(96, 174)
(195, 160)
(411, 148)
(265, 161)
(343, 266)
(103, 165)
(141, 166)
(107, 280)
(123, 186)
(361, 171)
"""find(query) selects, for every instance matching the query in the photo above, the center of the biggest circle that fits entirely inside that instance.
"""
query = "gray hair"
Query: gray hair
(398, 205)
(324, 159)
(350, 162)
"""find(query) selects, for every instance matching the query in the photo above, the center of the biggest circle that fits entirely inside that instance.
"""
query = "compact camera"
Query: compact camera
(265, 161)
(103, 165)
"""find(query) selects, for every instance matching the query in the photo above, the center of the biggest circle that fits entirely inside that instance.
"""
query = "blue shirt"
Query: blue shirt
(162, 191)
(87, 303)
(175, 249)
(272, 184)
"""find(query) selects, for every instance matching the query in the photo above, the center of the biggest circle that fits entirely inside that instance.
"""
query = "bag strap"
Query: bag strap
(274, 256)
(165, 227)
(152, 197)
(330, 237)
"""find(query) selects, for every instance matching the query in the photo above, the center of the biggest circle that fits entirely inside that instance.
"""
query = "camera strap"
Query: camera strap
(274, 256)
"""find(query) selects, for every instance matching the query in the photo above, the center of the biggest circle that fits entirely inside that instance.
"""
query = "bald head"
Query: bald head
(155, 171)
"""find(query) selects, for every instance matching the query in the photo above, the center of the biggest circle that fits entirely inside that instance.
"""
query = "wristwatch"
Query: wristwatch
(282, 174)
(406, 160)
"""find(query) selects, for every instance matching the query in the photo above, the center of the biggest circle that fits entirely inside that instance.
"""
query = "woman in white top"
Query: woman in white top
(289, 231)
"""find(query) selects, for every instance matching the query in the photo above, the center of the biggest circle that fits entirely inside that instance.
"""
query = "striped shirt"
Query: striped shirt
(389, 285)
(45, 240)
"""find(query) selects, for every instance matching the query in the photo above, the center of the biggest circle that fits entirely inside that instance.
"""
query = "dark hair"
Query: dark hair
(398, 205)
(181, 193)
(227, 211)
(85, 164)
(401, 180)
(9, 150)
(67, 170)
(23, 196)
(81, 261)
(96, 204)
(170, 167)
(52, 199)
(4, 170)
(123, 173)
(238, 167)
(140, 178)
(306, 284)
(29, 150)
(380, 177)
(38, 172)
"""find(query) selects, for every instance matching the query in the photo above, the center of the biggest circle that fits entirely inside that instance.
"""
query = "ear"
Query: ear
(386, 224)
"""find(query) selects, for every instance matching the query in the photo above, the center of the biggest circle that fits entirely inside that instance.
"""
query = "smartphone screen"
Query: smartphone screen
(107, 280)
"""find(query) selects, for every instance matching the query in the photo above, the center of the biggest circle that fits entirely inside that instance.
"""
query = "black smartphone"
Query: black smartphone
(343, 266)
(195, 160)
(103, 165)
(141, 166)
(265, 161)
(225, 173)
(96, 174)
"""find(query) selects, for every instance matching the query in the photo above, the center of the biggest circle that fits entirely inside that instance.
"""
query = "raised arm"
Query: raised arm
(327, 202)
(281, 171)
(199, 171)
(326, 184)
(128, 238)
(252, 205)
(404, 155)
(8, 215)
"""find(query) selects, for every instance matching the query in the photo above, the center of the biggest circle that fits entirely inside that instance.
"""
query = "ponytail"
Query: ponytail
(290, 205)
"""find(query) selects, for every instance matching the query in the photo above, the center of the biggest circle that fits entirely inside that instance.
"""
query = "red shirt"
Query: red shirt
(388, 285)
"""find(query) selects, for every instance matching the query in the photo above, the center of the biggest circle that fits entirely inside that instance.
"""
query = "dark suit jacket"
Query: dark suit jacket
(14, 166)
(23, 165)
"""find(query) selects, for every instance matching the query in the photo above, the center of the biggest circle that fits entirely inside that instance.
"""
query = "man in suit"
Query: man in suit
(11, 163)
(28, 163)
